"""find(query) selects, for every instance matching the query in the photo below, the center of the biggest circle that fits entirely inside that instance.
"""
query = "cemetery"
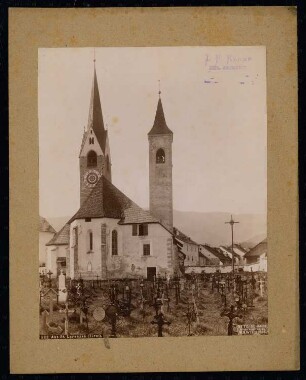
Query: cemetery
(191, 305)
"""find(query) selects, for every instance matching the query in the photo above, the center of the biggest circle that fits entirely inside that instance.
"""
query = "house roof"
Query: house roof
(61, 237)
(217, 253)
(229, 249)
(224, 259)
(181, 236)
(258, 250)
(160, 126)
(45, 226)
(238, 246)
(95, 117)
(106, 201)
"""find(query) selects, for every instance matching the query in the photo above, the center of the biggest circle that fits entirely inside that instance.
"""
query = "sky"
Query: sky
(214, 100)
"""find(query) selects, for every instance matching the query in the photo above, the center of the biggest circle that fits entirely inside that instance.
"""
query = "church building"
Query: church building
(110, 236)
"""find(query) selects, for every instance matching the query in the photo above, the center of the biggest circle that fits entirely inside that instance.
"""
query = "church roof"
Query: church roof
(106, 201)
(45, 226)
(160, 126)
(95, 117)
(61, 237)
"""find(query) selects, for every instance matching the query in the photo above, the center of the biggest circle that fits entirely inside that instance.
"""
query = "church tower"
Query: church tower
(95, 152)
(160, 168)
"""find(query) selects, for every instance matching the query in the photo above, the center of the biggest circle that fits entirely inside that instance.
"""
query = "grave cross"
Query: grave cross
(190, 314)
(157, 305)
(232, 223)
(231, 315)
(261, 286)
(49, 278)
(223, 293)
(112, 312)
(160, 321)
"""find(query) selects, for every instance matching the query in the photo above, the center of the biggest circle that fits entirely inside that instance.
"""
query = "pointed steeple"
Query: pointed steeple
(95, 117)
(160, 126)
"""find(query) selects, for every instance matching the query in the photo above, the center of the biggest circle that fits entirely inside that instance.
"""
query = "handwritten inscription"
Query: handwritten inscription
(226, 61)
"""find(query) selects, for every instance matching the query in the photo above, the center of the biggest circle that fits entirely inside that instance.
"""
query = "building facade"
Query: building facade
(188, 247)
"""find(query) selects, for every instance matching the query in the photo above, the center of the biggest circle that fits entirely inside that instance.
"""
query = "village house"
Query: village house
(207, 255)
(46, 232)
(256, 258)
(57, 251)
(188, 247)
(240, 251)
(227, 252)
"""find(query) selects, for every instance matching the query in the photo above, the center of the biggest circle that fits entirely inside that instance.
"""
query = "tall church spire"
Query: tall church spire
(95, 117)
(160, 126)
(94, 157)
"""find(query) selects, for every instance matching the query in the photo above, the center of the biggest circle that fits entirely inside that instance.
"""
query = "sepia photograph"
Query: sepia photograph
(152, 192)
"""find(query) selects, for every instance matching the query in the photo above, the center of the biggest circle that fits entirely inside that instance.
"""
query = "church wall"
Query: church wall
(130, 261)
(161, 251)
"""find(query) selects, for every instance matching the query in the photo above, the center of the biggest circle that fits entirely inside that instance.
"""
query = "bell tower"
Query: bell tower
(160, 168)
(94, 155)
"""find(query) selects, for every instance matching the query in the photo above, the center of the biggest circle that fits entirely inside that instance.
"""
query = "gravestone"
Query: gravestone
(44, 330)
(62, 290)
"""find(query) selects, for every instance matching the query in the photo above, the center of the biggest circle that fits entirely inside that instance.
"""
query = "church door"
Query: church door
(151, 272)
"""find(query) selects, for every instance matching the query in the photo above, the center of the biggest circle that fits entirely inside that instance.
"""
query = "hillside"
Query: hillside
(211, 228)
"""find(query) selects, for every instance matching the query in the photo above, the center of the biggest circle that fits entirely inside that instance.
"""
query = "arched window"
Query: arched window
(91, 159)
(160, 156)
(89, 267)
(114, 243)
(107, 163)
(91, 140)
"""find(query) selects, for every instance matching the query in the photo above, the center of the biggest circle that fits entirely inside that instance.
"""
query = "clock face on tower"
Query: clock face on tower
(91, 178)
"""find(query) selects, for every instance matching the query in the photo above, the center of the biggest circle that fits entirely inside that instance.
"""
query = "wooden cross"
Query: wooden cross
(231, 315)
(160, 321)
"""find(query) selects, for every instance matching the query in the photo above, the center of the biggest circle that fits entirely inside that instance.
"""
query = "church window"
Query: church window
(114, 243)
(134, 229)
(89, 241)
(91, 159)
(143, 229)
(160, 156)
(89, 267)
(91, 140)
(146, 249)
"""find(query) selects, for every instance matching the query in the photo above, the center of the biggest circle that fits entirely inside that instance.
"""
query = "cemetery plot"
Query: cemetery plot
(217, 304)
